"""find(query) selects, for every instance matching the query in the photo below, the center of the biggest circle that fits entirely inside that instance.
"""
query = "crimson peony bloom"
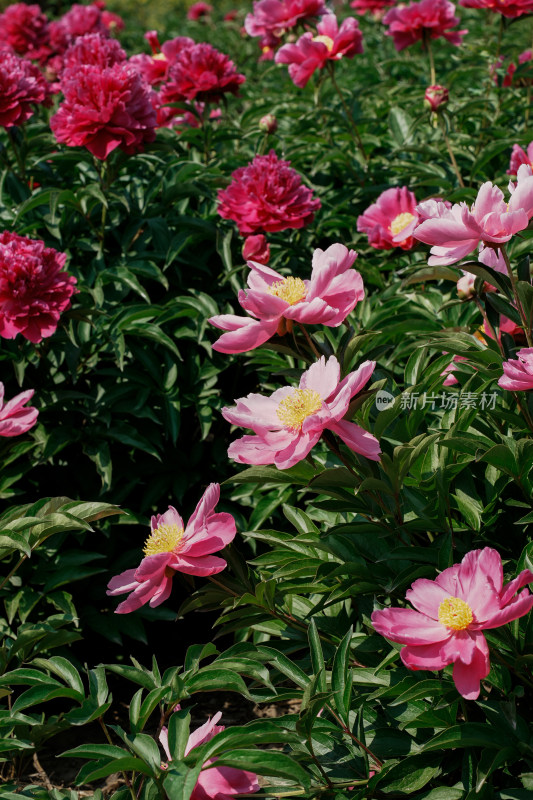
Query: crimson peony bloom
(267, 196)
(214, 783)
(14, 419)
(34, 290)
(275, 302)
(200, 73)
(271, 18)
(451, 613)
(104, 109)
(154, 68)
(391, 220)
(174, 547)
(310, 52)
(519, 157)
(375, 7)
(21, 87)
(289, 423)
(436, 96)
(94, 49)
(24, 29)
(199, 10)
(431, 18)
(508, 8)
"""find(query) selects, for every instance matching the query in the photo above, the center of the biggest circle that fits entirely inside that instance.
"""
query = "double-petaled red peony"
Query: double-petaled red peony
(267, 196)
(21, 87)
(104, 109)
(34, 289)
(199, 10)
(331, 43)
(95, 49)
(24, 29)
(200, 73)
(154, 68)
(274, 17)
(428, 18)
(509, 8)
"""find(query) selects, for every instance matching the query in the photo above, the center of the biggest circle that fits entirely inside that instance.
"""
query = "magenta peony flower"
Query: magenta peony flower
(173, 547)
(33, 288)
(21, 87)
(14, 419)
(93, 49)
(519, 157)
(518, 373)
(275, 17)
(375, 7)
(436, 96)
(451, 612)
(214, 783)
(24, 29)
(458, 231)
(104, 109)
(432, 18)
(289, 423)
(200, 73)
(256, 248)
(267, 196)
(78, 21)
(199, 10)
(509, 8)
(275, 302)
(154, 68)
(310, 52)
(391, 220)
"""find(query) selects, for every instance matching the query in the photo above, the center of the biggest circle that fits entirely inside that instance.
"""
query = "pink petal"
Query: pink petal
(405, 626)
(248, 335)
(203, 734)
(297, 450)
(349, 387)
(204, 508)
(525, 577)
(426, 656)
(460, 646)
(204, 566)
(467, 676)
(426, 596)
(219, 532)
(322, 377)
(517, 607)
(357, 439)
(125, 582)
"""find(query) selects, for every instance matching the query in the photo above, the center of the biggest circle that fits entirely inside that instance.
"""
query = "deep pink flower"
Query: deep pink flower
(113, 22)
(518, 373)
(274, 17)
(200, 73)
(154, 68)
(289, 423)
(77, 21)
(173, 547)
(214, 783)
(458, 231)
(14, 419)
(509, 8)
(451, 612)
(256, 248)
(22, 86)
(310, 52)
(267, 196)
(94, 49)
(436, 96)
(104, 109)
(375, 7)
(519, 157)
(391, 220)
(34, 289)
(275, 302)
(198, 10)
(432, 18)
(24, 29)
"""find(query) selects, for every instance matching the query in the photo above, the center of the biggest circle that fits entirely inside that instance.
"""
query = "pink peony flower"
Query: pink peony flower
(21, 87)
(518, 373)
(391, 220)
(289, 423)
(458, 231)
(451, 380)
(93, 49)
(267, 196)
(104, 109)
(436, 96)
(275, 302)
(24, 29)
(432, 18)
(451, 613)
(214, 783)
(375, 7)
(154, 68)
(519, 157)
(77, 21)
(256, 248)
(275, 17)
(14, 419)
(200, 73)
(310, 52)
(173, 547)
(33, 288)
(508, 8)
(199, 10)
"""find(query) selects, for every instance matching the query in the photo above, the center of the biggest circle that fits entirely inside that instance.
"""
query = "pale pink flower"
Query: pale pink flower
(451, 613)
(289, 423)
(275, 302)
(214, 783)
(456, 232)
(450, 379)
(14, 419)
(174, 547)
(391, 220)
(518, 373)
(519, 157)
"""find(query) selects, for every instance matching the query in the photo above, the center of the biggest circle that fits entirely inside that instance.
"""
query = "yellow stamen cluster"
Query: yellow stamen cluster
(160, 57)
(164, 539)
(455, 613)
(327, 40)
(292, 290)
(400, 222)
(298, 406)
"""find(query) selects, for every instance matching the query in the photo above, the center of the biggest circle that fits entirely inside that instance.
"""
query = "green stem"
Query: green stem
(451, 154)
(17, 153)
(360, 744)
(358, 140)
(427, 46)
(15, 568)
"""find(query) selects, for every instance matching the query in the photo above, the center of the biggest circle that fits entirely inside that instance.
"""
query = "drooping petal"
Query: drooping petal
(525, 577)
(405, 626)
(426, 656)
(517, 607)
(204, 566)
(467, 676)
(357, 439)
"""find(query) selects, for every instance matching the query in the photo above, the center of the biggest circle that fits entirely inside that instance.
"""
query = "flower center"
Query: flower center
(455, 613)
(159, 57)
(164, 539)
(292, 290)
(327, 40)
(298, 406)
(400, 222)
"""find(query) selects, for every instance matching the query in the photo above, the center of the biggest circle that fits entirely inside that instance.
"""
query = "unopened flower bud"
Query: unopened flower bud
(256, 248)
(465, 286)
(436, 96)
(268, 123)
